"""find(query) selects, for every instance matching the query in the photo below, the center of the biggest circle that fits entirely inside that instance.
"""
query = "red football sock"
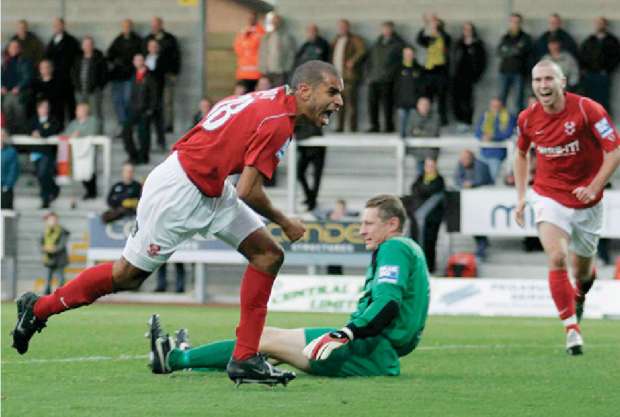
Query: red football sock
(583, 287)
(84, 289)
(255, 291)
(563, 295)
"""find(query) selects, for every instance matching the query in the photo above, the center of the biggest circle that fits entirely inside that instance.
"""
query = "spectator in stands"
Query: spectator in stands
(47, 87)
(204, 108)
(89, 76)
(17, 77)
(437, 42)
(123, 196)
(565, 61)
(470, 61)
(425, 207)
(599, 57)
(246, 46)
(555, 30)
(348, 51)
(496, 124)
(424, 124)
(162, 282)
(471, 173)
(171, 63)
(44, 125)
(10, 170)
(315, 47)
(263, 84)
(239, 89)
(84, 125)
(120, 60)
(277, 53)
(409, 86)
(384, 59)
(514, 52)
(309, 155)
(63, 49)
(54, 247)
(32, 47)
(154, 62)
(142, 105)
(339, 213)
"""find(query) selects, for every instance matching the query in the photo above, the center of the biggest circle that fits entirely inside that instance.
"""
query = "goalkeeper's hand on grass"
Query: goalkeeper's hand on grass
(320, 348)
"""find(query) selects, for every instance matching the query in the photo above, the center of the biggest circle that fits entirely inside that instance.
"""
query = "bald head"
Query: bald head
(548, 64)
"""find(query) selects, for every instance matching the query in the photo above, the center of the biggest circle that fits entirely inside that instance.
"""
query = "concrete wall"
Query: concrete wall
(101, 19)
(490, 17)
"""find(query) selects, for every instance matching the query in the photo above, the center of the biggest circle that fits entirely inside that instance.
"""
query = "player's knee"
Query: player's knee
(270, 259)
(557, 259)
(126, 276)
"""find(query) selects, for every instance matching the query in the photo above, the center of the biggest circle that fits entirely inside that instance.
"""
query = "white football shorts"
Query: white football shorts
(172, 209)
(584, 226)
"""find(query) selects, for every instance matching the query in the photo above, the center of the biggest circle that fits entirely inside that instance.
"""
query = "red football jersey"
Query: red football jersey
(249, 130)
(569, 146)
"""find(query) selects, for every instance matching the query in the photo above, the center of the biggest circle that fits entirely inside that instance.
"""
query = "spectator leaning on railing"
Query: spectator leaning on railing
(496, 124)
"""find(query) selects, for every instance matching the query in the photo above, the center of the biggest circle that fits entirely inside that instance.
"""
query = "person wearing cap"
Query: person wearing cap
(54, 248)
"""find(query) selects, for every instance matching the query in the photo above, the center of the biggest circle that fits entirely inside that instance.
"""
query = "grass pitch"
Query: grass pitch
(92, 362)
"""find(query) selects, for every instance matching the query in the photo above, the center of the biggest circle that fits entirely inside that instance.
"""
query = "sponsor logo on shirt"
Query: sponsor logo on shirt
(557, 151)
(389, 274)
(569, 128)
(604, 129)
(282, 150)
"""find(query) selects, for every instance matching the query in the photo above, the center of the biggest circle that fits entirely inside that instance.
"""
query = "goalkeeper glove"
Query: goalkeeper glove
(320, 348)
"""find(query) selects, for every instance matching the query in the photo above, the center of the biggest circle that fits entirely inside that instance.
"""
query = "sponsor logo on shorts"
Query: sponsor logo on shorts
(604, 129)
(389, 274)
(569, 128)
(153, 249)
(556, 151)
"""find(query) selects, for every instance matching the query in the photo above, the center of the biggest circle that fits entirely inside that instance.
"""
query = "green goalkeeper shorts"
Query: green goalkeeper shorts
(373, 356)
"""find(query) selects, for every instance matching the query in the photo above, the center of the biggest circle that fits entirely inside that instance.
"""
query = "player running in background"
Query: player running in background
(387, 324)
(577, 150)
(189, 193)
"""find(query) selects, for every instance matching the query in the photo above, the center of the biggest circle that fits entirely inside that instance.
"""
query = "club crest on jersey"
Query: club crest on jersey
(389, 274)
(569, 128)
(282, 150)
(604, 129)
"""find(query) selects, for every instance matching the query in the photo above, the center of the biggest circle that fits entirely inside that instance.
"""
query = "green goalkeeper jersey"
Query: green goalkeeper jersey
(398, 274)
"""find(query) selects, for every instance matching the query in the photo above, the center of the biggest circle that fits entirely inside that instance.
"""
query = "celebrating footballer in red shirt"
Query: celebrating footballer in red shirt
(189, 194)
(577, 151)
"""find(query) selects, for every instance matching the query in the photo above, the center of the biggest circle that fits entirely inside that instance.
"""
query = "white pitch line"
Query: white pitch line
(78, 359)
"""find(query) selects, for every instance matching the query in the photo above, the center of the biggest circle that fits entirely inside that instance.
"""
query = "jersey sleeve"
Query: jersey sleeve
(601, 125)
(393, 267)
(266, 148)
(523, 139)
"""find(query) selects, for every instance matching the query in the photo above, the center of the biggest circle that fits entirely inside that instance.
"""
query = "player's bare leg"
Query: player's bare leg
(91, 284)
(555, 243)
(585, 274)
(246, 364)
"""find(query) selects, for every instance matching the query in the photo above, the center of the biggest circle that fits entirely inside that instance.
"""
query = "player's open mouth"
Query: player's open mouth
(325, 117)
(546, 93)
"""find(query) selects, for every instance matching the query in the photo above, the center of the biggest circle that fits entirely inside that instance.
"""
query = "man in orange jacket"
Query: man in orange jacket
(247, 43)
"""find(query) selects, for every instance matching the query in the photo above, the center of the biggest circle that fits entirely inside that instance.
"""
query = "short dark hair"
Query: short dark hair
(389, 206)
(517, 15)
(312, 73)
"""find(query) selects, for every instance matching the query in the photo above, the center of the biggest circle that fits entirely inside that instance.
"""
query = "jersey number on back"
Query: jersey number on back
(223, 111)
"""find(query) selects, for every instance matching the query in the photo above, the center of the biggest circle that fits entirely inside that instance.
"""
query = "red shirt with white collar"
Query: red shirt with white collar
(569, 146)
(250, 130)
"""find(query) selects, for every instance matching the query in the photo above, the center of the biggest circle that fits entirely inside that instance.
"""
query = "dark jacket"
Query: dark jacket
(168, 51)
(121, 192)
(566, 40)
(17, 72)
(470, 61)
(158, 73)
(384, 58)
(63, 56)
(317, 49)
(97, 73)
(514, 52)
(598, 55)
(52, 91)
(422, 191)
(409, 86)
(120, 56)
(32, 47)
(478, 174)
(49, 128)
(144, 97)
(59, 258)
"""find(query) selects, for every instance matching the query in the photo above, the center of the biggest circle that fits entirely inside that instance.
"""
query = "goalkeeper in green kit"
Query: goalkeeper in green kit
(387, 324)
